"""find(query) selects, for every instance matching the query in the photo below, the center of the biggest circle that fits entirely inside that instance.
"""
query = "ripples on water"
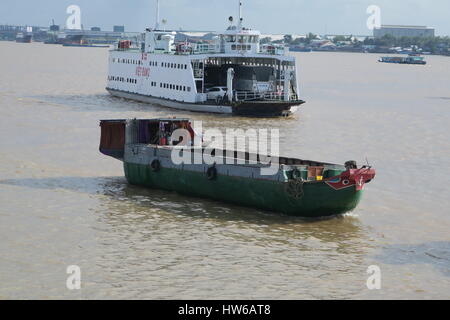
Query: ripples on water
(63, 203)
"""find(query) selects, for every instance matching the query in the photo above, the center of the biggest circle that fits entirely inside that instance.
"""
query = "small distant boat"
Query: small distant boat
(410, 59)
(23, 38)
(297, 187)
(85, 45)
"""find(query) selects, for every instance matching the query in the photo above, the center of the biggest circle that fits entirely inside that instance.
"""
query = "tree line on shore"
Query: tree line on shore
(433, 45)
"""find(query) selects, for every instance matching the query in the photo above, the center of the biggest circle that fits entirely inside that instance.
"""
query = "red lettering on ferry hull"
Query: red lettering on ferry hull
(142, 72)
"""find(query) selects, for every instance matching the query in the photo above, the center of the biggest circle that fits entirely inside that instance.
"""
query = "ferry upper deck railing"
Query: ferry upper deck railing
(186, 48)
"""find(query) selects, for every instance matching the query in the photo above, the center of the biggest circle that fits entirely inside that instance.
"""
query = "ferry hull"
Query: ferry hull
(318, 199)
(253, 108)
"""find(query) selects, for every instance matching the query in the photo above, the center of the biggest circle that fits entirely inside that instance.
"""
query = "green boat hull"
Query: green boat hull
(311, 199)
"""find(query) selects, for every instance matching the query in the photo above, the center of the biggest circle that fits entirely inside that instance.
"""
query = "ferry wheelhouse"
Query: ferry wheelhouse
(230, 74)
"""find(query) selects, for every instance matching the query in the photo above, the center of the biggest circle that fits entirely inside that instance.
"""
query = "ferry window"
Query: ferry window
(184, 88)
(185, 66)
(239, 47)
(231, 38)
(249, 47)
(233, 47)
(189, 89)
(156, 63)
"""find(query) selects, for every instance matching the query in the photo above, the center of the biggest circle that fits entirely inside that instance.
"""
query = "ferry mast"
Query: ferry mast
(240, 16)
(157, 15)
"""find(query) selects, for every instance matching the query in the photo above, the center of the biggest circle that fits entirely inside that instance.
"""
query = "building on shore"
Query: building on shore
(403, 31)
(119, 29)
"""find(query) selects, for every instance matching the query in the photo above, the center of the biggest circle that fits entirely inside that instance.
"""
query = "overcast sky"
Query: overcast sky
(279, 16)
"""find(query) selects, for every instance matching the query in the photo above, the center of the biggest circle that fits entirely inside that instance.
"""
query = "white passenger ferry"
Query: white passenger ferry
(231, 74)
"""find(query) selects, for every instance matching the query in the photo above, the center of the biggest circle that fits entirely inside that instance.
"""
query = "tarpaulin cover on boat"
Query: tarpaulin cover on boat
(112, 141)
(144, 134)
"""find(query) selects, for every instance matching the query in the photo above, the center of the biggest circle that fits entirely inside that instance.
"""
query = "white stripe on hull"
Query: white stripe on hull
(172, 104)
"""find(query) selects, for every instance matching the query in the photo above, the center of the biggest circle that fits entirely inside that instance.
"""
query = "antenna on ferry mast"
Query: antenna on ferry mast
(157, 15)
(240, 15)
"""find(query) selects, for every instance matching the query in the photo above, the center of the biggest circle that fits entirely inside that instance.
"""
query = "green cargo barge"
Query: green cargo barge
(298, 188)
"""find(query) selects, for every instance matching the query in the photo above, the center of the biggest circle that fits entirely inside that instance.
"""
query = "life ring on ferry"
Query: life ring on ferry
(155, 165)
(211, 173)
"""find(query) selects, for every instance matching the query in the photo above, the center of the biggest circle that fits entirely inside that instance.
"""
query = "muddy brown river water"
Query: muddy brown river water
(63, 203)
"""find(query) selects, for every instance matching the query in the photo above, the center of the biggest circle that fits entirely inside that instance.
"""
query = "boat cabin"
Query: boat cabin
(115, 134)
